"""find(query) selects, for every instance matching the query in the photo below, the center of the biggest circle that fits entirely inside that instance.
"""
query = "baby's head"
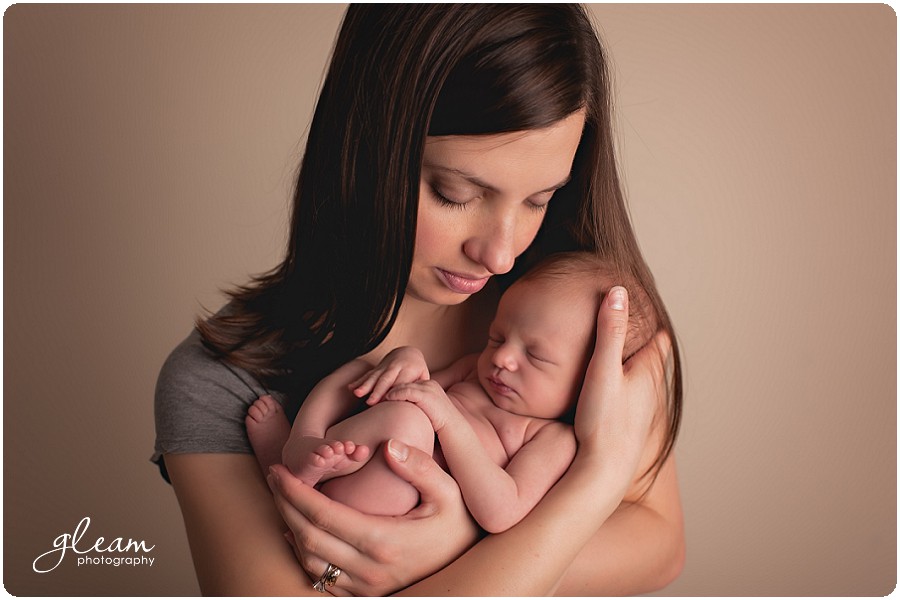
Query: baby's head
(542, 336)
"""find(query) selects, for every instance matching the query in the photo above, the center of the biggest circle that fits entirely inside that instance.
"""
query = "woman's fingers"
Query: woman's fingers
(323, 512)
(618, 402)
(419, 469)
(320, 525)
(377, 555)
(604, 378)
(316, 568)
(612, 327)
(322, 531)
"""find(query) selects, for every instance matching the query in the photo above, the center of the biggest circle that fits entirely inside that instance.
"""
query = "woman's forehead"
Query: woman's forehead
(542, 156)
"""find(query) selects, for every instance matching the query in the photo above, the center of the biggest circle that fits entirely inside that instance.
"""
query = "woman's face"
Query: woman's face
(481, 202)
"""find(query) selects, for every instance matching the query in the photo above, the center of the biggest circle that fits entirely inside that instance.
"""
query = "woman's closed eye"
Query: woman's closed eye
(539, 203)
(445, 199)
(536, 203)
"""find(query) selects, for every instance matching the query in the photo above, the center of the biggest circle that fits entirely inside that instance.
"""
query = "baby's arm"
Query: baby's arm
(498, 498)
(530, 474)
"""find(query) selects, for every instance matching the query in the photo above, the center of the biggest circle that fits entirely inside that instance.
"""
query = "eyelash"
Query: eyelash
(538, 358)
(444, 201)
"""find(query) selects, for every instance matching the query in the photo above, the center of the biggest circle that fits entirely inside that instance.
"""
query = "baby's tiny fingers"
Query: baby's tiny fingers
(364, 384)
(385, 382)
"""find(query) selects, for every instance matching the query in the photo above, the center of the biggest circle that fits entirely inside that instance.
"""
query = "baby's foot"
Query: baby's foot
(268, 430)
(331, 459)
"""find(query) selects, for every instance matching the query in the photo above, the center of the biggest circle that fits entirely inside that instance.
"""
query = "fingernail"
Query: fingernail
(398, 450)
(617, 298)
(273, 474)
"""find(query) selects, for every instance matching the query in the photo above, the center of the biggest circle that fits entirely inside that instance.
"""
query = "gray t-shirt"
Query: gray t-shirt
(201, 403)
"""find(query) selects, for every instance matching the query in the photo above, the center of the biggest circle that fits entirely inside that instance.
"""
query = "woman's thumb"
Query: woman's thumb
(612, 326)
(418, 469)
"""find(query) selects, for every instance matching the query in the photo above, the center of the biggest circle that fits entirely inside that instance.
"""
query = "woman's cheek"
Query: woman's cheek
(529, 231)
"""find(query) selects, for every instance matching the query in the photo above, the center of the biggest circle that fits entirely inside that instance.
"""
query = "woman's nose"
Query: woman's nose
(495, 245)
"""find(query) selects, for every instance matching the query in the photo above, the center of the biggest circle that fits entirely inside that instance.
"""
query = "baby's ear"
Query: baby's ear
(643, 323)
(640, 331)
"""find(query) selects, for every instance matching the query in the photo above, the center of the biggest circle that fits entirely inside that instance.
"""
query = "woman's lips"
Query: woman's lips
(462, 284)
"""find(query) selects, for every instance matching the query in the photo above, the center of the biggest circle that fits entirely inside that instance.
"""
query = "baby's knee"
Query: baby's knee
(405, 422)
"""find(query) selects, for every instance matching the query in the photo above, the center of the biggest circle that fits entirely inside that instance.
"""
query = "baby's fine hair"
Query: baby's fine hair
(596, 276)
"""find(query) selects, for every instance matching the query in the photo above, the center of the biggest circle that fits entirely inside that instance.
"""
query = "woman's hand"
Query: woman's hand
(618, 403)
(377, 555)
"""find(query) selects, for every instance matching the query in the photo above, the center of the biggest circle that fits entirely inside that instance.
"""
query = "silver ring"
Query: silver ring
(328, 578)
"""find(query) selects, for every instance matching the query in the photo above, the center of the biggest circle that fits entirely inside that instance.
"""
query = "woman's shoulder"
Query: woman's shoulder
(201, 402)
(191, 367)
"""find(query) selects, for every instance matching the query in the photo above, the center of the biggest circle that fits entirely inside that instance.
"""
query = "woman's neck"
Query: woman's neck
(443, 333)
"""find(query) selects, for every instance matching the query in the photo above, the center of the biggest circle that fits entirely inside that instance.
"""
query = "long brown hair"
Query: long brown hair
(399, 73)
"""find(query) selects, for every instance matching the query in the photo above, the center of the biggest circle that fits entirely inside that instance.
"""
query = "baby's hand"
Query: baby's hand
(430, 397)
(402, 365)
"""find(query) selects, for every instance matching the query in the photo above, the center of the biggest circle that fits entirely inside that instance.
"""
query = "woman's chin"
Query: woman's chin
(439, 296)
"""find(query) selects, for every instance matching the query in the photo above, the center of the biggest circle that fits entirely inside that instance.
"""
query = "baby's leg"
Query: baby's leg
(268, 430)
(375, 489)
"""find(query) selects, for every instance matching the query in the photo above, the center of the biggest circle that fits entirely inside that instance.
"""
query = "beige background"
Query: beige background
(148, 156)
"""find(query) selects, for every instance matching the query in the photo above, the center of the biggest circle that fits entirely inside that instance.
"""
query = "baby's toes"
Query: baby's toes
(271, 407)
(325, 451)
(359, 453)
(255, 412)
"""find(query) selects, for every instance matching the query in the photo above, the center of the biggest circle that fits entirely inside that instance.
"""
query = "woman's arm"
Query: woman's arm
(234, 531)
(639, 549)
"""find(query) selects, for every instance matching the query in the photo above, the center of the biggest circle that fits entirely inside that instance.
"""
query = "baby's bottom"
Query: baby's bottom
(370, 486)
(374, 488)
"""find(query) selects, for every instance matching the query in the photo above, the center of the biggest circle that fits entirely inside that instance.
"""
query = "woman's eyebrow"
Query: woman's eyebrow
(475, 180)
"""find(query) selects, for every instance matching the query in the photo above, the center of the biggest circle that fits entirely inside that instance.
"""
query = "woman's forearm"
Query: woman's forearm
(530, 558)
(234, 531)
(639, 549)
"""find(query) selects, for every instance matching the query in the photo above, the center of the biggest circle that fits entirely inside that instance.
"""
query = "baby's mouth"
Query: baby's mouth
(501, 387)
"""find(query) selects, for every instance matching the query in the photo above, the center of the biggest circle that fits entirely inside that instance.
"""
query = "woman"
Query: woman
(450, 144)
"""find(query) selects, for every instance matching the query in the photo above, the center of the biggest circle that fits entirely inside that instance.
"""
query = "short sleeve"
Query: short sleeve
(201, 403)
